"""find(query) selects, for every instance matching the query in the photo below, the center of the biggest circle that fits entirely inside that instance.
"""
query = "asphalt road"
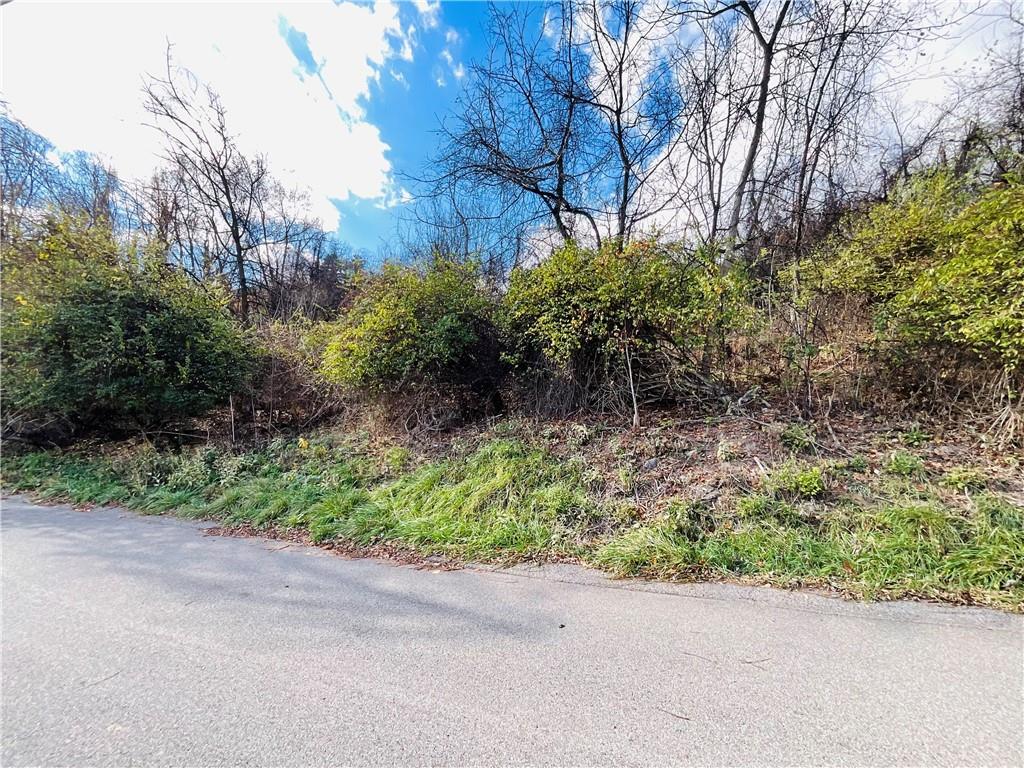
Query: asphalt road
(132, 640)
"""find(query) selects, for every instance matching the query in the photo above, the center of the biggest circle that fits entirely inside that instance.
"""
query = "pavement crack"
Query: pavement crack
(101, 680)
(673, 714)
(698, 656)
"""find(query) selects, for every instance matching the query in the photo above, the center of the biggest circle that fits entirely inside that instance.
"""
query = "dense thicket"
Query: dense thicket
(96, 340)
(425, 332)
(940, 266)
(623, 216)
(622, 327)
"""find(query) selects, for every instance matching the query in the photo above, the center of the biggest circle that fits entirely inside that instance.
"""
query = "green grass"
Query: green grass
(504, 501)
(508, 500)
(892, 550)
(903, 464)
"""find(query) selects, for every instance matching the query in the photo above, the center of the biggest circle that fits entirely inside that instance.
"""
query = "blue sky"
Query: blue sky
(408, 113)
(342, 98)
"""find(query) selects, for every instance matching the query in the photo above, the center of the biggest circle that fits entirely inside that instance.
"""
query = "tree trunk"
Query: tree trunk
(768, 49)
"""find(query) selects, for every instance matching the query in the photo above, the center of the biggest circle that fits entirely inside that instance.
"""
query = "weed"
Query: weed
(903, 464)
(627, 478)
(855, 464)
(797, 437)
(577, 436)
(396, 458)
(728, 451)
(692, 520)
(65, 478)
(761, 507)
(995, 512)
(650, 550)
(194, 471)
(797, 481)
(964, 479)
(915, 436)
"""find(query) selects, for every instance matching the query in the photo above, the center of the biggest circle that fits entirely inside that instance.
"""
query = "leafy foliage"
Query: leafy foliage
(589, 314)
(411, 328)
(942, 264)
(797, 437)
(93, 338)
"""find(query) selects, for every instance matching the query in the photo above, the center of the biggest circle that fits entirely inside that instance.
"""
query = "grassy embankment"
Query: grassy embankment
(869, 531)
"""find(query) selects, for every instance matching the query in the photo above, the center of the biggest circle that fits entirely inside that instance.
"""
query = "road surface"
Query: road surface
(140, 640)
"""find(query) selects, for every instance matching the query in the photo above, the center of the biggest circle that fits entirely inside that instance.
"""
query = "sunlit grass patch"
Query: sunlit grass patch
(895, 549)
(505, 498)
(892, 535)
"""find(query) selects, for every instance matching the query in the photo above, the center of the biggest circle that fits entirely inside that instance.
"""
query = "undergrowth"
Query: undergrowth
(508, 499)
(892, 548)
(505, 500)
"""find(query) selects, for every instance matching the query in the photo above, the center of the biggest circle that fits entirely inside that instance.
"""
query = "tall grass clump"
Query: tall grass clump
(505, 499)
(906, 547)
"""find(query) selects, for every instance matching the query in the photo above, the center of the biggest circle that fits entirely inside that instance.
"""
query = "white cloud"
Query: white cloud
(926, 80)
(452, 40)
(549, 25)
(430, 12)
(83, 89)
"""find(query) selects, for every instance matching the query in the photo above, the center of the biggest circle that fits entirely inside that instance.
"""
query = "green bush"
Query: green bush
(411, 329)
(96, 342)
(759, 507)
(796, 481)
(903, 464)
(942, 266)
(972, 296)
(880, 252)
(599, 316)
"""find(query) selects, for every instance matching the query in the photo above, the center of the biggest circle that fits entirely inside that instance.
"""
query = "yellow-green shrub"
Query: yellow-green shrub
(94, 337)
(585, 313)
(413, 327)
(942, 266)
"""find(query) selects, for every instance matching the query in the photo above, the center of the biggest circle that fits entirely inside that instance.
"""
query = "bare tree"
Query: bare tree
(571, 119)
(29, 179)
(217, 177)
(520, 131)
(38, 181)
(767, 38)
(776, 92)
(479, 229)
(632, 87)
